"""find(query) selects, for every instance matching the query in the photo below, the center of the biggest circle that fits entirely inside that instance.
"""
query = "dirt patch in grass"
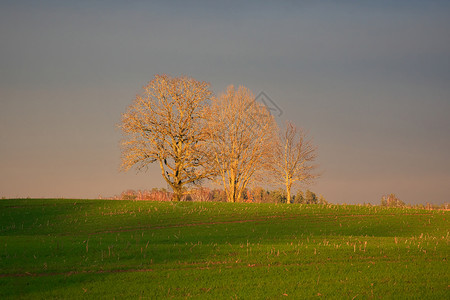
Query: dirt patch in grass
(281, 217)
(207, 266)
(28, 274)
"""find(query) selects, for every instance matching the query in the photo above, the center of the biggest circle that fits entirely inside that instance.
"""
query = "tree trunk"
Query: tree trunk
(288, 190)
(232, 192)
(288, 194)
(177, 194)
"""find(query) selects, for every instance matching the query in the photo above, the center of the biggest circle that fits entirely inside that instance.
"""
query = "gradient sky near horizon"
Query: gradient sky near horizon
(368, 80)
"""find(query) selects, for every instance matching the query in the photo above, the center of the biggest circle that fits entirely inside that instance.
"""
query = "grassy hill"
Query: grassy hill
(116, 249)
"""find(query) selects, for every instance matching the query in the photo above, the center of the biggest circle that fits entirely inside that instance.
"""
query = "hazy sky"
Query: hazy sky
(369, 81)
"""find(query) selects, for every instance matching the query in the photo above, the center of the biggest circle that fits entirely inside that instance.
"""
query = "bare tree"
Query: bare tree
(241, 133)
(164, 124)
(391, 200)
(292, 160)
(201, 194)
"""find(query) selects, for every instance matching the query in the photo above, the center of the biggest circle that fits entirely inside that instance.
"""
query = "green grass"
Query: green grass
(121, 249)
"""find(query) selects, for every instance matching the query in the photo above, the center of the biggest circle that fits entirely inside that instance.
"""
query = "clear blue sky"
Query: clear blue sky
(369, 81)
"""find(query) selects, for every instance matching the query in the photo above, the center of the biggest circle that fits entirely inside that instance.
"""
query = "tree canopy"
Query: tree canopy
(241, 136)
(165, 124)
(178, 123)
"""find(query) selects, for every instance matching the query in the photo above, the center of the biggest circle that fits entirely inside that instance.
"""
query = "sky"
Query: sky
(368, 80)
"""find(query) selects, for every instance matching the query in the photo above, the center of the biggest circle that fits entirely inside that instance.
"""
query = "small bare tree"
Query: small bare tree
(200, 194)
(292, 160)
(164, 124)
(242, 134)
(391, 200)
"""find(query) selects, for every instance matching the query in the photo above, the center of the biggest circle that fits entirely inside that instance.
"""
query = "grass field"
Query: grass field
(123, 249)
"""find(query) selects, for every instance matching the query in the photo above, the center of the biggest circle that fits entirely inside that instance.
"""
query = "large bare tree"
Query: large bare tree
(242, 135)
(165, 124)
(293, 159)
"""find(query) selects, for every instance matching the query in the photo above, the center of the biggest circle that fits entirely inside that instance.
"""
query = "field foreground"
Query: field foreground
(118, 249)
